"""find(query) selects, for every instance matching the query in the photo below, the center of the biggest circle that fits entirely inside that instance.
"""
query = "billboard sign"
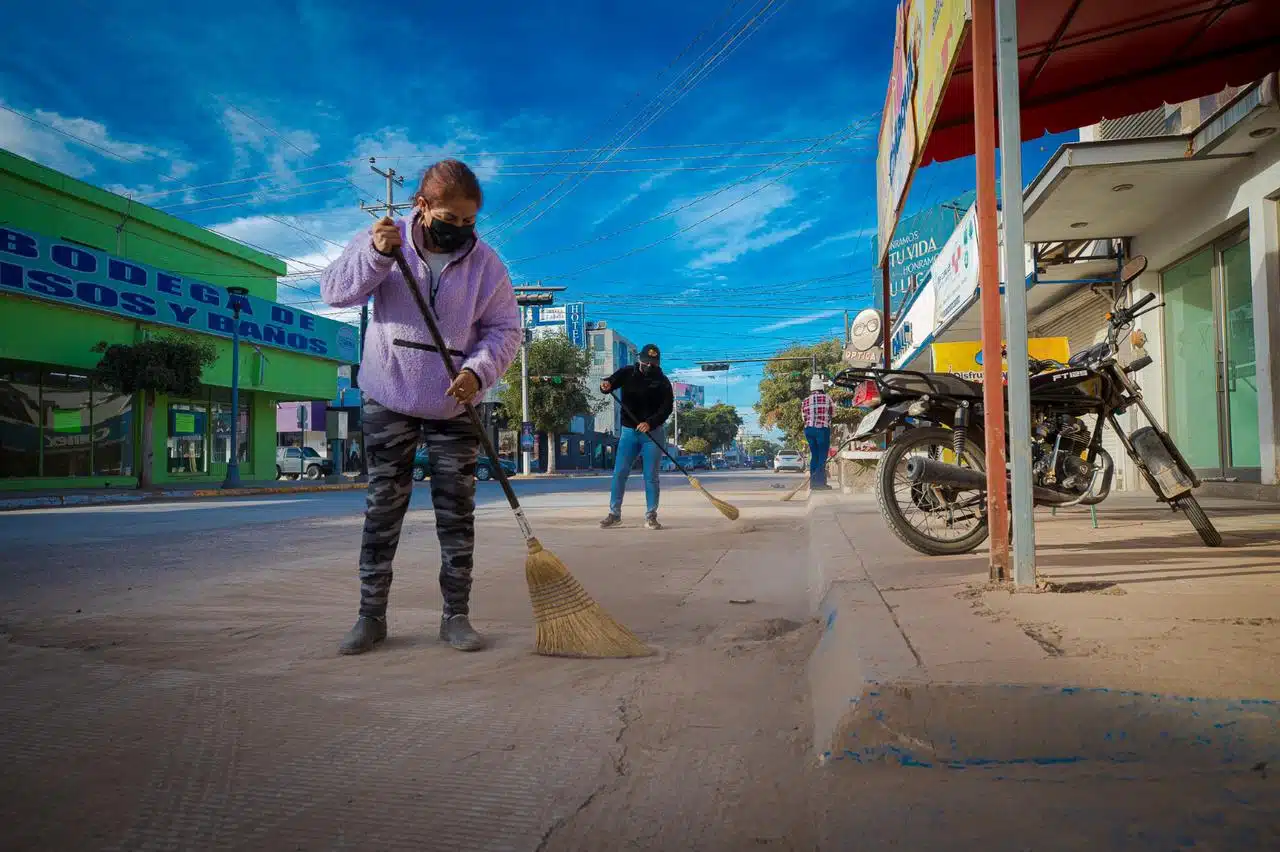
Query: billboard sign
(564, 320)
(916, 244)
(955, 270)
(685, 392)
(896, 154)
(575, 320)
(927, 39)
(913, 332)
(81, 277)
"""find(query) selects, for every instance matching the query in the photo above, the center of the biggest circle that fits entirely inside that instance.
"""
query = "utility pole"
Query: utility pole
(389, 208)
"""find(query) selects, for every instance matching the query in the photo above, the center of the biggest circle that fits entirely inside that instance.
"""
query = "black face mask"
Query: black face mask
(447, 236)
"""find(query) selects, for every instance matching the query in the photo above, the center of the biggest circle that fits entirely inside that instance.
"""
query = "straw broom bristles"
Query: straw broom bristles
(569, 622)
(795, 491)
(727, 509)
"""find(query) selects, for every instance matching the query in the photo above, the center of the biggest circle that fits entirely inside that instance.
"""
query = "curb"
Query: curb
(58, 501)
(874, 700)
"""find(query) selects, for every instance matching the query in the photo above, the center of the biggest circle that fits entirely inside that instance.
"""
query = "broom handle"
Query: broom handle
(452, 370)
(674, 460)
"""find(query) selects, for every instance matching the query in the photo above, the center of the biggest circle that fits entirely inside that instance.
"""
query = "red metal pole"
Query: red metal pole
(984, 113)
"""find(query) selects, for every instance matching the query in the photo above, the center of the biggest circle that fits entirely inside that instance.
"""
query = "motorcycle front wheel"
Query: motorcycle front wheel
(1190, 507)
(932, 520)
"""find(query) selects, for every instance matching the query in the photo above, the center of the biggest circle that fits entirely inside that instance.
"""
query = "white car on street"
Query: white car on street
(788, 460)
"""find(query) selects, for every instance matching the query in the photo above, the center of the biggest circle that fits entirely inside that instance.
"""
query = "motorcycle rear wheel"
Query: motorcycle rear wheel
(899, 524)
(1190, 507)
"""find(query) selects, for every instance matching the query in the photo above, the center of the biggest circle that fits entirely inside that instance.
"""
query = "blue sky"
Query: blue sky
(758, 122)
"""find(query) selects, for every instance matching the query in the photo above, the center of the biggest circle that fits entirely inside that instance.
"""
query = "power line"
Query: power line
(668, 213)
(688, 85)
(835, 137)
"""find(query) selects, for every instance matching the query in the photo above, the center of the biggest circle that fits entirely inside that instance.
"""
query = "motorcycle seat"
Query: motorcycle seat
(944, 384)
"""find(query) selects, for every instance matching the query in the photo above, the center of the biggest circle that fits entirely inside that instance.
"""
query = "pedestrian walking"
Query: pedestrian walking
(647, 401)
(408, 397)
(816, 411)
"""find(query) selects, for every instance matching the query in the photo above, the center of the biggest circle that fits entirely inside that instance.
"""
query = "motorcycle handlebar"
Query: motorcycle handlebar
(1143, 302)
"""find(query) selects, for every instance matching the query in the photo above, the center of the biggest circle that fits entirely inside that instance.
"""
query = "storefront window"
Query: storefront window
(66, 413)
(19, 420)
(222, 430)
(112, 432)
(187, 444)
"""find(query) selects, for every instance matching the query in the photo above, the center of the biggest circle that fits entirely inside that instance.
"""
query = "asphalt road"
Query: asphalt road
(50, 548)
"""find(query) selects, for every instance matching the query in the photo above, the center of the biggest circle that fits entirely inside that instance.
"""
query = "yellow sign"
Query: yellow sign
(935, 31)
(926, 45)
(965, 359)
(896, 155)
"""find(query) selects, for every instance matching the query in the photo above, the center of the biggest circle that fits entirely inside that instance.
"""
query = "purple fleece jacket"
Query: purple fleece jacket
(475, 308)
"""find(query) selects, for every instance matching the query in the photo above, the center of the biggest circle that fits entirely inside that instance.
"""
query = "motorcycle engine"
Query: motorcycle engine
(1058, 446)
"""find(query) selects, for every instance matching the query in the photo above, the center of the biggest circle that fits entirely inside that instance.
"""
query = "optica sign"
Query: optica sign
(81, 277)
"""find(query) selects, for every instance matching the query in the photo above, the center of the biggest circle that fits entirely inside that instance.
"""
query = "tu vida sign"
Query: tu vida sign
(44, 268)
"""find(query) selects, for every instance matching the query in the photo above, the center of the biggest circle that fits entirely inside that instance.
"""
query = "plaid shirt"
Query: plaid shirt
(816, 410)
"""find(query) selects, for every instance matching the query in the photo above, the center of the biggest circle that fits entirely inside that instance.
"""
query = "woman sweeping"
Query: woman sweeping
(408, 397)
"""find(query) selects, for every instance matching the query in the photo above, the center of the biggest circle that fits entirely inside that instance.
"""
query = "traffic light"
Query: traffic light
(715, 367)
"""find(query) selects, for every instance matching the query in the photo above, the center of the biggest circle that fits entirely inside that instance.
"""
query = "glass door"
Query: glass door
(1211, 355)
(1241, 447)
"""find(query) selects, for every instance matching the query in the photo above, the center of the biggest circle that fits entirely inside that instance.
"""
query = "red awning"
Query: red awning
(1081, 61)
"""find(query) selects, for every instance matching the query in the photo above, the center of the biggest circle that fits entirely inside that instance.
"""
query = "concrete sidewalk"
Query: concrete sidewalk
(1143, 647)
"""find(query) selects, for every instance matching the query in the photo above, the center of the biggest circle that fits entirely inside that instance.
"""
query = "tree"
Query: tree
(786, 384)
(163, 365)
(552, 404)
(761, 447)
(697, 445)
(717, 425)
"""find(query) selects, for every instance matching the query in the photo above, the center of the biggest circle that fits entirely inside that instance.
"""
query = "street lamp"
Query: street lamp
(237, 295)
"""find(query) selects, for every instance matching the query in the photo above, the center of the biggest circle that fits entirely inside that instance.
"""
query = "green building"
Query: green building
(80, 266)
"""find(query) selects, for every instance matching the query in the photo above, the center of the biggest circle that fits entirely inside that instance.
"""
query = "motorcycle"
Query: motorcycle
(932, 481)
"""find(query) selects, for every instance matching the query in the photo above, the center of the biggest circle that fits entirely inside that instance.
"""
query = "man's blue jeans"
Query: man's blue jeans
(819, 445)
(630, 445)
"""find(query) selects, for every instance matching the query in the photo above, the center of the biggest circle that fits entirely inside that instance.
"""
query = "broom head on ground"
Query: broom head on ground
(795, 491)
(727, 509)
(569, 622)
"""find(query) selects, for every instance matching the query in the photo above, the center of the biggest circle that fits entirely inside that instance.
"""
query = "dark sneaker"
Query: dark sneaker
(610, 520)
(368, 631)
(458, 632)
(651, 523)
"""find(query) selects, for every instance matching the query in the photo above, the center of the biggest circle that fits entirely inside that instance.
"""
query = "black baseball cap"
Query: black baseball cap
(649, 354)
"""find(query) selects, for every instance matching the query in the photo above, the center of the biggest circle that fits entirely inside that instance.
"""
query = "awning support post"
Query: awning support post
(1010, 109)
(886, 324)
(984, 106)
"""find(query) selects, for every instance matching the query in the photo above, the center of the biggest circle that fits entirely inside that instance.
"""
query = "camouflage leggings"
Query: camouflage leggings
(391, 441)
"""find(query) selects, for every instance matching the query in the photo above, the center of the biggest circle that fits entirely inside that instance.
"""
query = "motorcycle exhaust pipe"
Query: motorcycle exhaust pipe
(934, 472)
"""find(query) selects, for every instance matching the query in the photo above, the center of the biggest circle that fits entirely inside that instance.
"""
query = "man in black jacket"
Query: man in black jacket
(647, 401)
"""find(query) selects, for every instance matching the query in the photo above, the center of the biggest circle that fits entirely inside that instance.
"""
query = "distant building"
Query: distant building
(610, 352)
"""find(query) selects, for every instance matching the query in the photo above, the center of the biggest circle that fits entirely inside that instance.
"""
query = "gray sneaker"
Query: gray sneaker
(610, 520)
(651, 522)
(458, 632)
(367, 632)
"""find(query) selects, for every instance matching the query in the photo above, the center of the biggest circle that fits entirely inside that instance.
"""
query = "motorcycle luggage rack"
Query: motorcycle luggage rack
(908, 381)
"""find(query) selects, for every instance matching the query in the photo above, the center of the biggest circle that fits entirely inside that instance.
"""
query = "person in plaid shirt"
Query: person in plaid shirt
(816, 411)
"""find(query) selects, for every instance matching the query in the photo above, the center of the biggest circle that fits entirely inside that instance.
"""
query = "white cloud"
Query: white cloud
(281, 150)
(409, 157)
(57, 150)
(748, 226)
(794, 321)
(863, 234)
(645, 186)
